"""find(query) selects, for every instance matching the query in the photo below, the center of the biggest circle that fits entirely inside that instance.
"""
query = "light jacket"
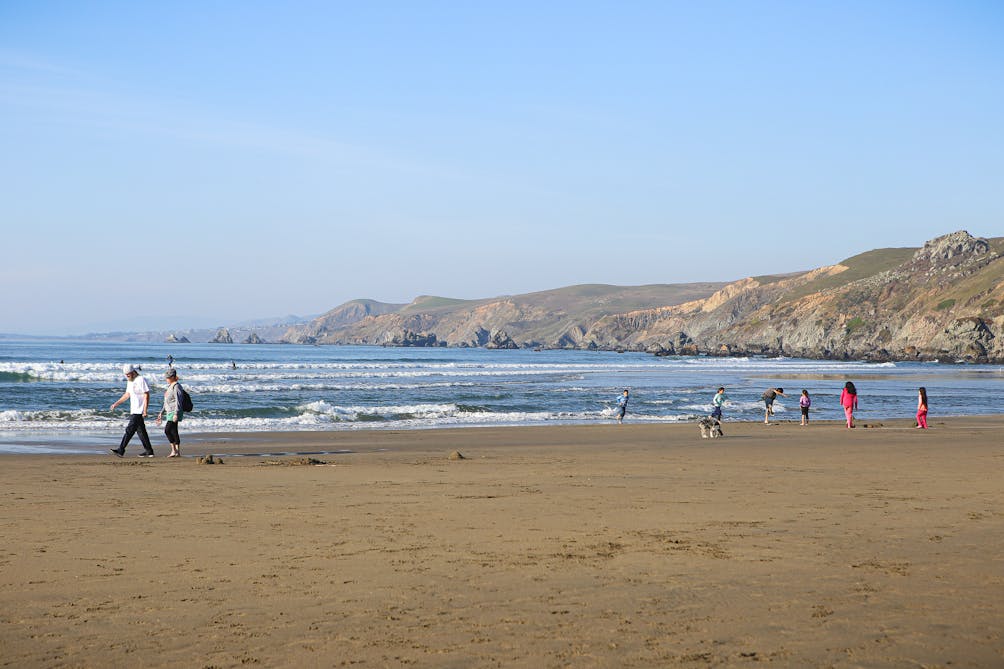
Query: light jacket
(172, 402)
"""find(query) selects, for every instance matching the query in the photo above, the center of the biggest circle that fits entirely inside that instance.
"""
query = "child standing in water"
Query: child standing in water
(922, 409)
(804, 402)
(622, 406)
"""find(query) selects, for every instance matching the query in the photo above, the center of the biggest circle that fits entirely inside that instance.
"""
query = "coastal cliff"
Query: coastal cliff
(555, 318)
(944, 301)
(340, 317)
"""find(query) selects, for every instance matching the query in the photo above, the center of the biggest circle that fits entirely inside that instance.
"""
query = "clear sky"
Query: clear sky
(177, 164)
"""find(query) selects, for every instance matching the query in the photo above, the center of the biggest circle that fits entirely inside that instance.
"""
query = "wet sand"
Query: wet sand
(583, 546)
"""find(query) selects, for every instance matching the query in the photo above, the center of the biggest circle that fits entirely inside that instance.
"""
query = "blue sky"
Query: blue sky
(201, 163)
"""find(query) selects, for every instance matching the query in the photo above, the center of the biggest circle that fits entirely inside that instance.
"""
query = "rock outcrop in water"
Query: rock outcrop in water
(409, 338)
(222, 337)
(944, 301)
(498, 339)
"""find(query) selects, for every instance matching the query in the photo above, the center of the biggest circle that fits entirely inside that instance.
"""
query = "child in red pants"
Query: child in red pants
(922, 409)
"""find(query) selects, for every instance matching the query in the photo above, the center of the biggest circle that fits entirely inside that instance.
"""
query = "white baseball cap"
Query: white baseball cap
(128, 369)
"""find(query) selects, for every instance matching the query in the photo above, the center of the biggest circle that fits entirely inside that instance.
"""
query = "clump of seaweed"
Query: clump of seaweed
(297, 462)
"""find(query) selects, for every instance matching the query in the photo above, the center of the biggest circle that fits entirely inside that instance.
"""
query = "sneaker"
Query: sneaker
(117, 453)
(145, 455)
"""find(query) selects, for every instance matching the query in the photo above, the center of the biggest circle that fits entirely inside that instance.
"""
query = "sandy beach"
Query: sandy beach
(581, 546)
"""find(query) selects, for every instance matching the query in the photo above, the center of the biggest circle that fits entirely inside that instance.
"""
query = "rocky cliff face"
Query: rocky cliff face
(342, 316)
(551, 318)
(944, 301)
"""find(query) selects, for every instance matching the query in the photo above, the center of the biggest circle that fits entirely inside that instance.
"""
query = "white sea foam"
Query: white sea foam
(317, 415)
(216, 377)
(19, 416)
(320, 386)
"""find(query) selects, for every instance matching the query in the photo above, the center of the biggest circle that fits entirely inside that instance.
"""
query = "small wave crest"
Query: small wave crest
(13, 416)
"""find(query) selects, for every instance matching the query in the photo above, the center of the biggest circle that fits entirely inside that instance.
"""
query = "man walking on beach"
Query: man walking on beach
(138, 393)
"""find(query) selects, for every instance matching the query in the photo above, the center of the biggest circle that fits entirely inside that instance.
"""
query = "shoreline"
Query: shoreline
(314, 441)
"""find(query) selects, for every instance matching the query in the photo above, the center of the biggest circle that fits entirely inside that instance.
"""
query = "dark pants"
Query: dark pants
(171, 432)
(136, 424)
(716, 413)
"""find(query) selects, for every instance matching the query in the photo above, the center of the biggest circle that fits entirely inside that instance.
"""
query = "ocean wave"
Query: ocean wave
(312, 375)
(14, 377)
(370, 413)
(216, 374)
(783, 365)
(248, 388)
(13, 416)
(319, 415)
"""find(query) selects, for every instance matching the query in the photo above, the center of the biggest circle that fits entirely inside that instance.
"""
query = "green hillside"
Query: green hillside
(430, 304)
(860, 266)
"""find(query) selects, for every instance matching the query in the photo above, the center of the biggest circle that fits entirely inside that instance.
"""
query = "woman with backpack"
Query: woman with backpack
(172, 410)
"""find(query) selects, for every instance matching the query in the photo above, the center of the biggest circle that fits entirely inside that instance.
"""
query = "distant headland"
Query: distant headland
(943, 301)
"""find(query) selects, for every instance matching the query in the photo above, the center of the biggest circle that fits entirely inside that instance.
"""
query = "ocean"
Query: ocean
(55, 394)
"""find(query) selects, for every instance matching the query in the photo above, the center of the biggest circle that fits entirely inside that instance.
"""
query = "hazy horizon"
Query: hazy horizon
(179, 323)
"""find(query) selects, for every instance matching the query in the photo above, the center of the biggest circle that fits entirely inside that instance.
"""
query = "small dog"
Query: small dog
(710, 427)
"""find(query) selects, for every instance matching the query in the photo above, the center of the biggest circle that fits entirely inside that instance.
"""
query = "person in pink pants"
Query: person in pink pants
(849, 400)
(922, 409)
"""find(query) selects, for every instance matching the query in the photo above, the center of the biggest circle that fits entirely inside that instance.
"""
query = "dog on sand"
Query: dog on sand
(710, 427)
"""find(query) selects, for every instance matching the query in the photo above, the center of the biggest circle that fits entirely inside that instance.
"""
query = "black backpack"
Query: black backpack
(184, 399)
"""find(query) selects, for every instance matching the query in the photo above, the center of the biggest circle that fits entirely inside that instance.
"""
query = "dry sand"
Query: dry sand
(592, 546)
